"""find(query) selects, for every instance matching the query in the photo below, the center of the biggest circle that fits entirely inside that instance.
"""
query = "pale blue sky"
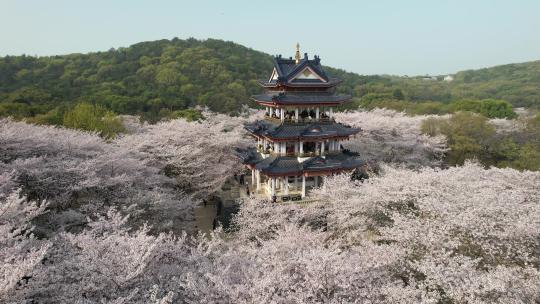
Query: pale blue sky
(368, 37)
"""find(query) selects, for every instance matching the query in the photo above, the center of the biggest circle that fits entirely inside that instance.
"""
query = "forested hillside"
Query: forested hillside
(517, 83)
(154, 79)
(144, 78)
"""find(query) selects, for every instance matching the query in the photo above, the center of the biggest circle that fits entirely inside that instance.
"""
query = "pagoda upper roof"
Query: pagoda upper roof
(303, 131)
(289, 165)
(304, 72)
(301, 98)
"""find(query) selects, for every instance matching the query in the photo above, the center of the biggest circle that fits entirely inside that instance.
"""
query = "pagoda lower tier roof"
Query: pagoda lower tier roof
(298, 98)
(290, 165)
(305, 83)
(300, 131)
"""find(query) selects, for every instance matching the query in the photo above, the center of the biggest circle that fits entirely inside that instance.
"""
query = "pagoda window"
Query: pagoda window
(290, 148)
(304, 114)
(324, 116)
(310, 147)
(289, 115)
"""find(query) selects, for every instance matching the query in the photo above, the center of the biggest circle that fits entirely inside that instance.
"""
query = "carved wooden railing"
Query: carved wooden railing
(300, 120)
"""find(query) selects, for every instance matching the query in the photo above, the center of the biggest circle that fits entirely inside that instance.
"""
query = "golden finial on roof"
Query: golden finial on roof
(297, 56)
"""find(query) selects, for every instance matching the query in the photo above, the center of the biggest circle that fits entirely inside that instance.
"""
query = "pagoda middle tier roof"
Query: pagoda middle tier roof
(300, 131)
(290, 165)
(301, 98)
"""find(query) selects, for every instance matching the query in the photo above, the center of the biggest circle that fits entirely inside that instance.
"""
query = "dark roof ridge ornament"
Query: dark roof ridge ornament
(297, 55)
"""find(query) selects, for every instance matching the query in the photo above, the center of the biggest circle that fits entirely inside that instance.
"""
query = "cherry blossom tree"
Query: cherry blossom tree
(393, 137)
(414, 233)
(200, 155)
(20, 251)
(80, 174)
(156, 174)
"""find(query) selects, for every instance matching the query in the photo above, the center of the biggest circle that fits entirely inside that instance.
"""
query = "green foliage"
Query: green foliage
(398, 94)
(468, 135)
(187, 114)
(52, 117)
(93, 118)
(490, 108)
(471, 136)
(528, 158)
(141, 79)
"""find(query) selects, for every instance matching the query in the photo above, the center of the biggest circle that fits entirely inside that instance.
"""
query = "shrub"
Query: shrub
(89, 117)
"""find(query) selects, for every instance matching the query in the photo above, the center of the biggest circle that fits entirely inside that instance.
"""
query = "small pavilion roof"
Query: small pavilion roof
(288, 68)
(300, 131)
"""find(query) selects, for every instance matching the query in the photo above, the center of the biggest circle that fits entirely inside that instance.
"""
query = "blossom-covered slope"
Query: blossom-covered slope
(110, 223)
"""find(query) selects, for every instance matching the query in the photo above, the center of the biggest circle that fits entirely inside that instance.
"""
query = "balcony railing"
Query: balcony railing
(296, 154)
(275, 119)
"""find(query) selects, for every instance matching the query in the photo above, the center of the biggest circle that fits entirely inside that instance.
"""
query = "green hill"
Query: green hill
(145, 77)
(517, 83)
(157, 78)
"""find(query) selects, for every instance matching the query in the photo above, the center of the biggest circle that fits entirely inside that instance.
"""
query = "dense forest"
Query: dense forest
(163, 78)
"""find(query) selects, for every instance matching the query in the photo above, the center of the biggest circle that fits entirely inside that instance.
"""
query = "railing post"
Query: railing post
(303, 186)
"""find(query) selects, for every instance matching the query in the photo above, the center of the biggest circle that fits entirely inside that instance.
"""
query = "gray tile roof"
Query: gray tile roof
(287, 68)
(283, 165)
(295, 131)
(302, 98)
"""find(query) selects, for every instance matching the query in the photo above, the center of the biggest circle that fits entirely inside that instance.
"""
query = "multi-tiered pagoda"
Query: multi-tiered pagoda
(298, 142)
